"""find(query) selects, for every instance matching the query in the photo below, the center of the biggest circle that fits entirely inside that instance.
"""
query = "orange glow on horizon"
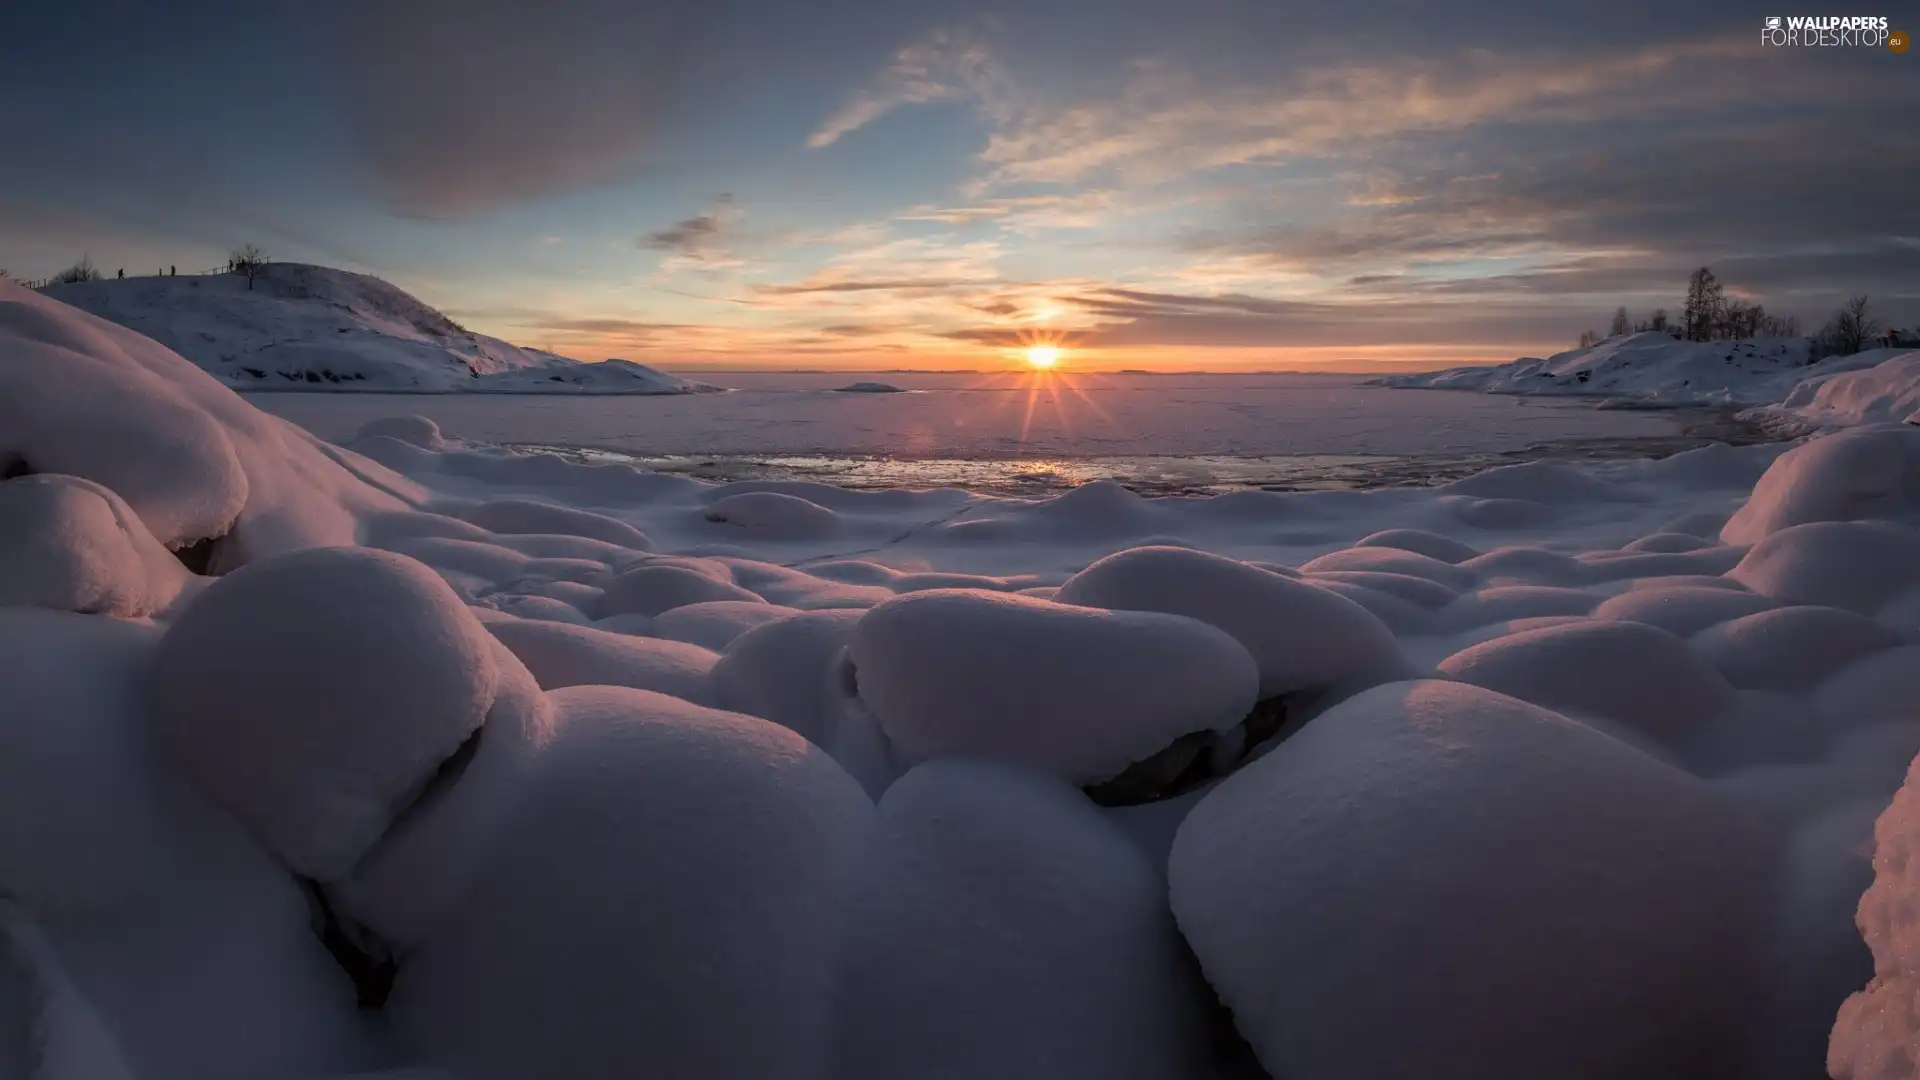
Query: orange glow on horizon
(1042, 356)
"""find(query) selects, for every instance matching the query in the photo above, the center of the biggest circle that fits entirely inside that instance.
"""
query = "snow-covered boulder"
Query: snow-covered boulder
(1627, 673)
(413, 429)
(1301, 637)
(714, 625)
(1435, 880)
(771, 515)
(787, 672)
(660, 587)
(1790, 648)
(1877, 1028)
(512, 516)
(562, 655)
(1857, 565)
(1003, 928)
(84, 397)
(73, 545)
(1419, 541)
(1683, 610)
(1883, 386)
(315, 694)
(1864, 473)
(664, 901)
(1077, 692)
(1392, 560)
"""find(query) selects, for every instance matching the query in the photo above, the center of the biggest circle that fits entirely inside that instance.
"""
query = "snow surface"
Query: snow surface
(244, 670)
(301, 326)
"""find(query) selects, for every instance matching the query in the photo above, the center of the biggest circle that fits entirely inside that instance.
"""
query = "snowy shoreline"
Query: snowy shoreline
(1557, 770)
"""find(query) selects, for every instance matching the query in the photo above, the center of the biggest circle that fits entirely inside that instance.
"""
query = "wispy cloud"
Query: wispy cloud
(949, 65)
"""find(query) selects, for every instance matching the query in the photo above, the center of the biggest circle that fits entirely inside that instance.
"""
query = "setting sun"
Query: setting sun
(1043, 356)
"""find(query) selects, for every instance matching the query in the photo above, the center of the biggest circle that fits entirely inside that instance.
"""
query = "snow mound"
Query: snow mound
(1869, 472)
(1790, 648)
(315, 694)
(1583, 668)
(1882, 686)
(659, 587)
(560, 655)
(693, 860)
(787, 672)
(312, 328)
(770, 515)
(1855, 565)
(1005, 898)
(716, 623)
(1536, 481)
(412, 429)
(1505, 603)
(90, 399)
(1877, 1028)
(1391, 560)
(525, 516)
(1301, 637)
(1683, 610)
(869, 388)
(1432, 545)
(1883, 388)
(72, 545)
(1077, 692)
(1371, 898)
(1652, 368)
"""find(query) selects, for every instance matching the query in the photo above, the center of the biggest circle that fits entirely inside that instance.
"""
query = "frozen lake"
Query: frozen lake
(1018, 433)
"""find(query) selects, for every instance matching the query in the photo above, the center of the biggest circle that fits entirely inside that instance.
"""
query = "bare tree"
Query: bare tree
(1621, 323)
(1702, 312)
(249, 261)
(1658, 323)
(79, 271)
(1588, 338)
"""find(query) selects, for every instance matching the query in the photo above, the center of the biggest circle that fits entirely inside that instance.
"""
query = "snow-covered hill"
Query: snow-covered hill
(1652, 369)
(312, 327)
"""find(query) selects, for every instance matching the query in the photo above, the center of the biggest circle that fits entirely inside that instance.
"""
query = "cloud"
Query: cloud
(704, 241)
(950, 65)
(1163, 122)
(460, 106)
(857, 286)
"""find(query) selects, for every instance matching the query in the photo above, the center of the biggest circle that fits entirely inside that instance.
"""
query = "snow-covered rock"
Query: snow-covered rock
(1435, 880)
(315, 694)
(73, 545)
(315, 328)
(1077, 692)
(562, 655)
(1683, 610)
(1862, 473)
(86, 398)
(716, 623)
(1857, 565)
(1004, 928)
(772, 515)
(1790, 648)
(1583, 668)
(1301, 637)
(515, 516)
(1879, 386)
(660, 587)
(1877, 1028)
(664, 901)
(787, 672)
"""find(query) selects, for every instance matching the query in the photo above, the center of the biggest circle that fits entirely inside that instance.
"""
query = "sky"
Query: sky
(889, 184)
